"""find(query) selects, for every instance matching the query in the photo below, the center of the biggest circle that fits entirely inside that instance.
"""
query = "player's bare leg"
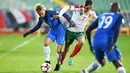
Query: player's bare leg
(77, 48)
(46, 48)
(119, 66)
(66, 49)
(64, 53)
(59, 54)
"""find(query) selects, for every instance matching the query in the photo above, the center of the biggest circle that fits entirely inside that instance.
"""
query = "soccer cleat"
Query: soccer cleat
(57, 68)
(83, 71)
(48, 62)
(70, 62)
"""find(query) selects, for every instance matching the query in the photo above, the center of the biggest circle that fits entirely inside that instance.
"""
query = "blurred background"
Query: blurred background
(19, 15)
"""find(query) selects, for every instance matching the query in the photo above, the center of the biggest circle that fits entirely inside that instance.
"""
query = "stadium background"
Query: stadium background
(23, 55)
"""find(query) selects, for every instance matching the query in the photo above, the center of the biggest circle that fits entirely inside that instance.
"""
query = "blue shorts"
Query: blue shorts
(58, 35)
(115, 54)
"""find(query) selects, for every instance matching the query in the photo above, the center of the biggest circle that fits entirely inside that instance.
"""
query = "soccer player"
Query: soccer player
(108, 27)
(57, 32)
(81, 15)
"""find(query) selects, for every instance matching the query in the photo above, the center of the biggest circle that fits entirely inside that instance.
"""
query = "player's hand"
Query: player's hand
(111, 47)
(25, 34)
(71, 24)
(55, 16)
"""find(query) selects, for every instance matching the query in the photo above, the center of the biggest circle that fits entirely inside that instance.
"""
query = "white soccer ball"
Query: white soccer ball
(46, 67)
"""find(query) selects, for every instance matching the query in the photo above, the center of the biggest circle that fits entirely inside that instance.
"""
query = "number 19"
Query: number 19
(107, 20)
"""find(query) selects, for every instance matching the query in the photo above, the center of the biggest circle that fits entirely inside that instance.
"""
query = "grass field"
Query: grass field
(25, 55)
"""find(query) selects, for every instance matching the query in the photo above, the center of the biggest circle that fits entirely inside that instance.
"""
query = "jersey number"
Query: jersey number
(107, 20)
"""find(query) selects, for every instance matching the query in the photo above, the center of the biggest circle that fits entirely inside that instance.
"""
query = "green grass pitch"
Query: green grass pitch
(18, 56)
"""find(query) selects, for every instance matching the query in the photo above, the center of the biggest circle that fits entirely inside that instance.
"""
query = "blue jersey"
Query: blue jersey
(108, 27)
(53, 23)
(108, 23)
(57, 31)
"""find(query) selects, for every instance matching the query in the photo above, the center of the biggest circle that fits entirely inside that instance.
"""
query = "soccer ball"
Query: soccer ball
(46, 67)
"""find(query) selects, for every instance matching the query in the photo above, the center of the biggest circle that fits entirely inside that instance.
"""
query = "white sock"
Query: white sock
(47, 53)
(57, 56)
(121, 70)
(94, 66)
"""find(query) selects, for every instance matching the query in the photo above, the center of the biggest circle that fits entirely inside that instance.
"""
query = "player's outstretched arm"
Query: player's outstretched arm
(88, 33)
(33, 29)
(65, 9)
(63, 13)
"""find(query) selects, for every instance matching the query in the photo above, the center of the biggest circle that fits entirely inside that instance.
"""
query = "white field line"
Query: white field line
(18, 46)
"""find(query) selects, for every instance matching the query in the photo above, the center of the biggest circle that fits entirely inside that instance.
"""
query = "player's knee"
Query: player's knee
(81, 43)
(46, 44)
(67, 44)
(65, 51)
(58, 51)
(102, 63)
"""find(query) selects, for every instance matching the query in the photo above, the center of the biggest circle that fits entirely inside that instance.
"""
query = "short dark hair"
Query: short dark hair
(115, 7)
(88, 2)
